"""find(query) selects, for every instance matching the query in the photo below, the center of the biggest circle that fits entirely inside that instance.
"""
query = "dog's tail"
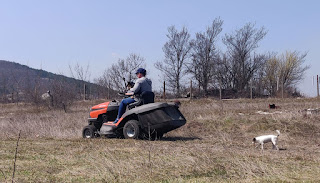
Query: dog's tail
(278, 132)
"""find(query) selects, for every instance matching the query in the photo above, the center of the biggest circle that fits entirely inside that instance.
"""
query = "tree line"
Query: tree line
(235, 69)
(229, 63)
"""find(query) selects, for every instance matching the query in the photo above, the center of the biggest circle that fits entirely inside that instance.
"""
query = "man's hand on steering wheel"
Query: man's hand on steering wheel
(129, 94)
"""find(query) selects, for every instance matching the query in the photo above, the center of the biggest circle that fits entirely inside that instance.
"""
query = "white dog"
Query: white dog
(267, 138)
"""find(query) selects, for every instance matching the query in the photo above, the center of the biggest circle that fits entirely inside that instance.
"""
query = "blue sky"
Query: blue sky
(53, 34)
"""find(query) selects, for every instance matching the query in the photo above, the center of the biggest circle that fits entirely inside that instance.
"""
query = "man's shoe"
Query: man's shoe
(116, 121)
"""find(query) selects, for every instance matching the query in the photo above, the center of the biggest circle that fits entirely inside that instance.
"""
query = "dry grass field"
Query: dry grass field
(214, 146)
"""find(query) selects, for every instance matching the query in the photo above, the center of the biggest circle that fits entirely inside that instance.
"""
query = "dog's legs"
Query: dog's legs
(257, 145)
(274, 145)
(261, 145)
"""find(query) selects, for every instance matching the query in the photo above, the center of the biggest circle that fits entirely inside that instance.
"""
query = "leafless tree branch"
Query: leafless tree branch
(205, 55)
(242, 61)
(124, 68)
(177, 51)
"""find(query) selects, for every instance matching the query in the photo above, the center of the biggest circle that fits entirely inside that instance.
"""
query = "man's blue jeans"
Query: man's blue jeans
(122, 107)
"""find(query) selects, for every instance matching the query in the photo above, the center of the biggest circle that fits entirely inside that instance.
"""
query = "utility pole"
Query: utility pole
(282, 89)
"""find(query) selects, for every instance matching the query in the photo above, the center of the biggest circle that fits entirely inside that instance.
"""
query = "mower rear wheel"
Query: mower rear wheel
(131, 130)
(89, 132)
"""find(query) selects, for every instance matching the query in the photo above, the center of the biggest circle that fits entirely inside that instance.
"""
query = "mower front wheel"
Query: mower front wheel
(131, 130)
(89, 132)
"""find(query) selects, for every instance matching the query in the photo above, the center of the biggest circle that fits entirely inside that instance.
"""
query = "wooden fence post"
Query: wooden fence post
(282, 92)
(220, 89)
(251, 95)
(164, 89)
(84, 91)
(317, 85)
(190, 89)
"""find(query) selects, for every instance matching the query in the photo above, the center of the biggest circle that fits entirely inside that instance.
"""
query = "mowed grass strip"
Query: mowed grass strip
(118, 160)
(214, 146)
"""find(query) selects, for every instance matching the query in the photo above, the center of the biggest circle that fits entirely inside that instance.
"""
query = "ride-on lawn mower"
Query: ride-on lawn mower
(143, 119)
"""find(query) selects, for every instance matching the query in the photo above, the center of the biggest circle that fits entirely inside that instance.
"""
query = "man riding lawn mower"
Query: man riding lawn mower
(136, 116)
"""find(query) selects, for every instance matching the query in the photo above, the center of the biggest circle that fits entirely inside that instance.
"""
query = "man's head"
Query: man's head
(141, 72)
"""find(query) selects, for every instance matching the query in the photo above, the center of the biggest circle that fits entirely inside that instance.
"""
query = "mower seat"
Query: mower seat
(145, 97)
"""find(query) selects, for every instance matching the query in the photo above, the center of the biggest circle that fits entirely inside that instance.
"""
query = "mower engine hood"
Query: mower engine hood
(100, 106)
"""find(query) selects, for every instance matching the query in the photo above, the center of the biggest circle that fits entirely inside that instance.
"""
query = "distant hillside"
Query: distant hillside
(20, 80)
(12, 69)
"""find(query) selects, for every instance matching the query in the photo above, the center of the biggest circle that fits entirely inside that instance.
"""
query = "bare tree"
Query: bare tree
(63, 94)
(271, 74)
(4, 82)
(291, 68)
(10, 84)
(205, 55)
(133, 62)
(105, 88)
(223, 74)
(15, 86)
(79, 72)
(176, 51)
(124, 68)
(284, 71)
(243, 62)
(83, 74)
(33, 89)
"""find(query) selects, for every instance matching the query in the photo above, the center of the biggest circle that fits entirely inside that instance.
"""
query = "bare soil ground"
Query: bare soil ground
(214, 146)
